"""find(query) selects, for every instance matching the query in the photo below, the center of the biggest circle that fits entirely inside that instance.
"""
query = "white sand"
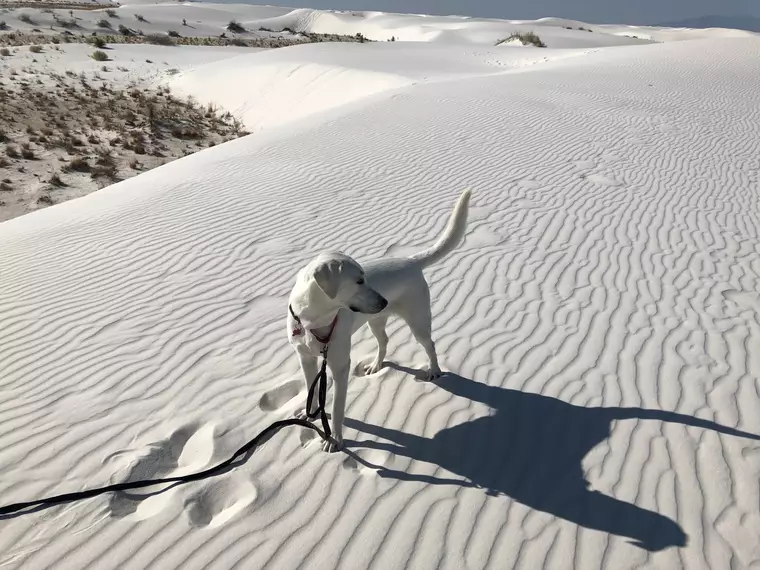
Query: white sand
(600, 322)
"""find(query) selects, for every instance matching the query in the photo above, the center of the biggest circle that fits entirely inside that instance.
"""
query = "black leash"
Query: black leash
(321, 379)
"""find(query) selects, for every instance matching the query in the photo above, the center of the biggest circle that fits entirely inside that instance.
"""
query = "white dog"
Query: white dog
(334, 296)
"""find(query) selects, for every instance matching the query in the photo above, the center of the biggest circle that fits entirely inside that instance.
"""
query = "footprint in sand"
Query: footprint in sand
(584, 164)
(156, 460)
(276, 398)
(369, 462)
(189, 449)
(603, 180)
(528, 183)
(218, 501)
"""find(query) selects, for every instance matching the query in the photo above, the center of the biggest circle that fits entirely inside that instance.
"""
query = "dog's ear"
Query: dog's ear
(327, 277)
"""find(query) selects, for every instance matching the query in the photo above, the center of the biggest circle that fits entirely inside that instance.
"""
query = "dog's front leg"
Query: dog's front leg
(309, 367)
(339, 366)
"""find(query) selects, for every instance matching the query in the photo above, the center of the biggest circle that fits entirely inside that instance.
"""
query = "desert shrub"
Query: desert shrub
(235, 27)
(104, 24)
(26, 18)
(125, 31)
(140, 18)
(5, 52)
(67, 23)
(55, 180)
(78, 164)
(104, 172)
(45, 199)
(173, 34)
(3, 25)
(35, 49)
(112, 13)
(159, 39)
(98, 55)
(105, 158)
(526, 38)
(11, 151)
(27, 153)
(98, 42)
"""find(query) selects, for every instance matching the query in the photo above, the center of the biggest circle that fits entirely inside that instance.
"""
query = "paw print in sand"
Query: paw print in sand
(189, 449)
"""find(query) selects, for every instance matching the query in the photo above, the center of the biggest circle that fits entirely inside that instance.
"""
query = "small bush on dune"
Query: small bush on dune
(98, 55)
(125, 31)
(235, 27)
(5, 52)
(173, 34)
(3, 25)
(526, 38)
(103, 172)
(26, 18)
(35, 49)
(104, 24)
(140, 18)
(68, 23)
(159, 39)
(112, 13)
(78, 164)
(98, 42)
(55, 180)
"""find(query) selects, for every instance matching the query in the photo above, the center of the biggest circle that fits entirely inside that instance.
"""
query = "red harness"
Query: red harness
(299, 328)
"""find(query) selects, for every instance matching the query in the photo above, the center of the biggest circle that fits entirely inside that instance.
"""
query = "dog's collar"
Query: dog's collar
(298, 330)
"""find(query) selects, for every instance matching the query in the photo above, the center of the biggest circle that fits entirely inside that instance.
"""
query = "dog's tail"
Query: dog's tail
(452, 235)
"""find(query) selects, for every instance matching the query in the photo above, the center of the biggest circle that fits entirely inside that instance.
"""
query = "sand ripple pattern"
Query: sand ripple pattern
(598, 322)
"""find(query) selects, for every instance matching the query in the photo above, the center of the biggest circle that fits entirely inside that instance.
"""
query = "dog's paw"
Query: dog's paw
(432, 374)
(373, 368)
(332, 445)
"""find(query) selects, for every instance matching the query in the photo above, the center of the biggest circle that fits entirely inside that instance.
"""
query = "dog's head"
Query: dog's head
(341, 279)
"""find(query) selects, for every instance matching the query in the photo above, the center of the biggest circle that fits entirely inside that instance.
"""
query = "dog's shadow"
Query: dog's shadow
(531, 449)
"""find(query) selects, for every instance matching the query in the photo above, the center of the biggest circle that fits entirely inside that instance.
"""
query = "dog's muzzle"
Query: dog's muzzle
(375, 308)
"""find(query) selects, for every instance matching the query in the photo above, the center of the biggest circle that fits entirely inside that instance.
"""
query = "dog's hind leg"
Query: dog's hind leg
(377, 326)
(419, 320)
(309, 367)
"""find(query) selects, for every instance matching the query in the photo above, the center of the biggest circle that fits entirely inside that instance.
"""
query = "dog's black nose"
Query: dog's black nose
(383, 303)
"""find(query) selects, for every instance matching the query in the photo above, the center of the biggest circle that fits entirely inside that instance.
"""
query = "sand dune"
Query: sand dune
(601, 408)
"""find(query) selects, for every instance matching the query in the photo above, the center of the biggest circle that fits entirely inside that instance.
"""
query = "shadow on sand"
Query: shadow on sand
(531, 450)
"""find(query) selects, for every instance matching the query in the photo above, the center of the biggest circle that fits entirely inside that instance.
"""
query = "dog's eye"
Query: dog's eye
(360, 281)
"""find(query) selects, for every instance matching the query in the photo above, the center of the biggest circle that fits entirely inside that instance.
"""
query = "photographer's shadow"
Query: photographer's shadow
(531, 449)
